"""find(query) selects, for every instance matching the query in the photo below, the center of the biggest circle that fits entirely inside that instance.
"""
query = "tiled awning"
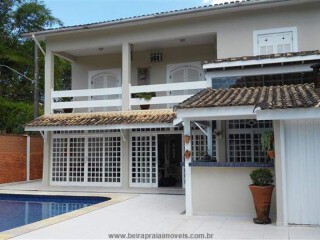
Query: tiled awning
(273, 97)
(121, 119)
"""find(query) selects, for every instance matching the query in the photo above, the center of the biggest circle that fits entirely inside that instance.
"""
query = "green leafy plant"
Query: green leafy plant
(145, 96)
(64, 99)
(261, 177)
(266, 141)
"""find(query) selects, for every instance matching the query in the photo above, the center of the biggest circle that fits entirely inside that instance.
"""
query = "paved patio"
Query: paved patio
(161, 213)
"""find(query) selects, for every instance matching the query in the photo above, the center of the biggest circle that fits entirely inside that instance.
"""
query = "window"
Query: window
(243, 140)
(275, 41)
(105, 79)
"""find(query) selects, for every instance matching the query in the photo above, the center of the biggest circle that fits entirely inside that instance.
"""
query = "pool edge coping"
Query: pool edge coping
(114, 198)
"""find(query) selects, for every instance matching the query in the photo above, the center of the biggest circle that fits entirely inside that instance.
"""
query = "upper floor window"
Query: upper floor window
(272, 41)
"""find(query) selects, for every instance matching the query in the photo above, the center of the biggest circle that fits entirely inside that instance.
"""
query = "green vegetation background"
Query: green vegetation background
(16, 93)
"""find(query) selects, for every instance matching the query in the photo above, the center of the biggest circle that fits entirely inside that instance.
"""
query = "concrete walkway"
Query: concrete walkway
(163, 214)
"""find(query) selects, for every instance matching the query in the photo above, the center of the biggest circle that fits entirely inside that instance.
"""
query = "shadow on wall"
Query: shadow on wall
(13, 158)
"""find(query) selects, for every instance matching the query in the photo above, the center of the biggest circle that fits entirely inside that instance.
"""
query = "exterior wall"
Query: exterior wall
(223, 191)
(13, 158)
(157, 71)
(234, 30)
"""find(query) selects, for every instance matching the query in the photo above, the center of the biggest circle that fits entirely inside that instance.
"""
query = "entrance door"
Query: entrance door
(302, 167)
(169, 159)
(144, 161)
(110, 78)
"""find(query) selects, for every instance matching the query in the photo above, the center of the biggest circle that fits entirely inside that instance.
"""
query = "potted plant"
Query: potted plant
(66, 99)
(145, 96)
(261, 190)
(267, 143)
(187, 139)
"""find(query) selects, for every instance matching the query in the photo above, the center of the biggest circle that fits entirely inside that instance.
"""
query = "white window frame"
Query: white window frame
(85, 182)
(114, 71)
(274, 31)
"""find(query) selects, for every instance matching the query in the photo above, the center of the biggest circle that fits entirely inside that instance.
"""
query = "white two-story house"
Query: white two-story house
(120, 67)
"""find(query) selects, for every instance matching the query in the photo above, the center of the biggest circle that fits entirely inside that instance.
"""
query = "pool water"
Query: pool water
(19, 210)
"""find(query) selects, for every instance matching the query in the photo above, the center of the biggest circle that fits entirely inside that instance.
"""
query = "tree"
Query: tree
(16, 92)
(16, 17)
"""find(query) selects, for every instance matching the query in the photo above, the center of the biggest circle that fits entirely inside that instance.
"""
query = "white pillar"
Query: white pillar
(46, 159)
(28, 157)
(49, 81)
(209, 138)
(125, 158)
(48, 88)
(188, 173)
(126, 76)
(280, 173)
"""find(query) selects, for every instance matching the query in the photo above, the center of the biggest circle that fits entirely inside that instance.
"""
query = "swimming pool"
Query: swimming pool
(18, 210)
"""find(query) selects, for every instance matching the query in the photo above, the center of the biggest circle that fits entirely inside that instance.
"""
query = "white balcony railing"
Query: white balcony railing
(168, 98)
(87, 98)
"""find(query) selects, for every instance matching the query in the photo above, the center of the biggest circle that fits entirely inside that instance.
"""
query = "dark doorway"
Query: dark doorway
(169, 159)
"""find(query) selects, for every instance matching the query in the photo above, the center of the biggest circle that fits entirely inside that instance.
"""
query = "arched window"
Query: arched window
(105, 79)
(188, 72)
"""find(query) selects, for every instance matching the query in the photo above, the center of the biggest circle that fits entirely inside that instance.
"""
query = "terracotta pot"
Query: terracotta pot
(271, 154)
(144, 107)
(68, 110)
(262, 201)
(187, 154)
(186, 139)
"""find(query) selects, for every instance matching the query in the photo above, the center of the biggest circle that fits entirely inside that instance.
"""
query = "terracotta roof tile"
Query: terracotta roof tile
(262, 57)
(107, 118)
(273, 97)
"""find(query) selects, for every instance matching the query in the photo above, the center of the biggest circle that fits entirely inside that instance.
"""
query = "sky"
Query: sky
(74, 12)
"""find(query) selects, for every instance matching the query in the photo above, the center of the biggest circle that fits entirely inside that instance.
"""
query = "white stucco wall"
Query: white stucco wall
(157, 71)
(234, 30)
(224, 191)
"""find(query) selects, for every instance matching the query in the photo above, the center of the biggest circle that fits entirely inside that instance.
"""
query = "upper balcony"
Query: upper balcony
(110, 78)
(111, 98)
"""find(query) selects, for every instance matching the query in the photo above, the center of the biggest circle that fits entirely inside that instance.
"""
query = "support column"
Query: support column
(209, 138)
(125, 164)
(48, 87)
(46, 159)
(221, 141)
(126, 76)
(188, 173)
(49, 81)
(280, 173)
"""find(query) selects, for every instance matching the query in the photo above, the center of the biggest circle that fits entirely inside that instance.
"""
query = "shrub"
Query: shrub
(261, 177)
(14, 116)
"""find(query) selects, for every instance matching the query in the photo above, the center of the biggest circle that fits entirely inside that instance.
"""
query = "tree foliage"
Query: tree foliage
(17, 17)
(14, 115)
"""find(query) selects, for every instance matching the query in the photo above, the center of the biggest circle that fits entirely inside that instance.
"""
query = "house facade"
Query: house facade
(175, 58)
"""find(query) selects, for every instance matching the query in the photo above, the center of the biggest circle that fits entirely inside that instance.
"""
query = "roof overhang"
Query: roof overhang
(100, 127)
(288, 114)
(168, 16)
(217, 113)
(261, 62)
(247, 112)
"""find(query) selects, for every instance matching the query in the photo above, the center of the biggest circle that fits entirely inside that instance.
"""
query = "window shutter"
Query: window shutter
(275, 43)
